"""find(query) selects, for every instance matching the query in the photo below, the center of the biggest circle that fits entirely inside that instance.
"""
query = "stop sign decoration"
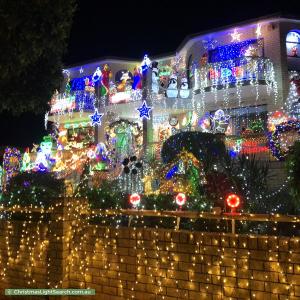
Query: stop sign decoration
(135, 199)
(180, 199)
(233, 201)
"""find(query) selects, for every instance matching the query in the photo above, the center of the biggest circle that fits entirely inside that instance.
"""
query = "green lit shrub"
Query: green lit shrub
(33, 189)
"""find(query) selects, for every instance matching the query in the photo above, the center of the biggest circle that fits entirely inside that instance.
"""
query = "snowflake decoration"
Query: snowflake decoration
(209, 44)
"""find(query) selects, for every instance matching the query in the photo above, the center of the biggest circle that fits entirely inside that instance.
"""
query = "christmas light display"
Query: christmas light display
(219, 121)
(283, 137)
(180, 199)
(258, 30)
(233, 201)
(146, 63)
(135, 199)
(12, 162)
(235, 35)
(144, 111)
(44, 159)
(96, 118)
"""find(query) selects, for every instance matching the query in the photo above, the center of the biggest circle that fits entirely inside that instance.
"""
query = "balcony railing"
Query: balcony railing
(236, 72)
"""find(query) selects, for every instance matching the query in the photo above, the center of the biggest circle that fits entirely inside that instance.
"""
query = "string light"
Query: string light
(235, 35)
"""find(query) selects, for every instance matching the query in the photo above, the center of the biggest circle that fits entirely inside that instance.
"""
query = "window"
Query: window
(245, 118)
(293, 44)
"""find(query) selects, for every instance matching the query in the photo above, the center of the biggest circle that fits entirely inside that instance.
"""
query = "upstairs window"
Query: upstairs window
(293, 44)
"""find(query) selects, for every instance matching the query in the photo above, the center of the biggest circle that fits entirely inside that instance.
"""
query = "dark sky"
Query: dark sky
(133, 28)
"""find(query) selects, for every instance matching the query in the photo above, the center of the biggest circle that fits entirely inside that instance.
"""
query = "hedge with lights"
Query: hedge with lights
(36, 189)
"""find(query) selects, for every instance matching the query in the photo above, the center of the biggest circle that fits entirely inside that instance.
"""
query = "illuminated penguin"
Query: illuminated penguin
(172, 91)
(184, 88)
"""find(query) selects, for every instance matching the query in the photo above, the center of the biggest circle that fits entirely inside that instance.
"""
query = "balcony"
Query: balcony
(232, 73)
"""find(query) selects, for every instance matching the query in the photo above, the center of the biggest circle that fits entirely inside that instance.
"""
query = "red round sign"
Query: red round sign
(135, 199)
(233, 200)
(180, 199)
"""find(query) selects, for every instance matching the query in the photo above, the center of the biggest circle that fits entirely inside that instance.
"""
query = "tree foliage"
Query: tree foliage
(206, 147)
(33, 39)
(37, 189)
(293, 168)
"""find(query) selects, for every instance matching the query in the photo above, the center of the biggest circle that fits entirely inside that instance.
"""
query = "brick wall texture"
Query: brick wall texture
(144, 263)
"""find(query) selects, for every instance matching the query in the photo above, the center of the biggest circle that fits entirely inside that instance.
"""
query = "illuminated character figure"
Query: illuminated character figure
(204, 123)
(43, 158)
(155, 85)
(106, 76)
(89, 85)
(163, 81)
(220, 121)
(124, 79)
(172, 87)
(296, 81)
(145, 64)
(204, 59)
(184, 88)
(26, 165)
(137, 79)
(97, 76)
(294, 52)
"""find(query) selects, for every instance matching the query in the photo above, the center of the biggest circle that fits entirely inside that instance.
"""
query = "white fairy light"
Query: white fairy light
(258, 30)
(235, 35)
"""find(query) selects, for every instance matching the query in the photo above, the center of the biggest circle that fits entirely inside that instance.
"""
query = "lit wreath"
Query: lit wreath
(12, 161)
(274, 140)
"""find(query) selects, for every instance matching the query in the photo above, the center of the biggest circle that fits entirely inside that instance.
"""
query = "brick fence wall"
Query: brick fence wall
(142, 263)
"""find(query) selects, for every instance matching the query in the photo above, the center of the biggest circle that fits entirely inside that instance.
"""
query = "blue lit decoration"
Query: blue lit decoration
(172, 172)
(146, 63)
(97, 76)
(144, 111)
(78, 84)
(96, 118)
(275, 141)
(234, 50)
(84, 101)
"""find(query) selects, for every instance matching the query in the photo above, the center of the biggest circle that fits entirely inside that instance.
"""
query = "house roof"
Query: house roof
(275, 16)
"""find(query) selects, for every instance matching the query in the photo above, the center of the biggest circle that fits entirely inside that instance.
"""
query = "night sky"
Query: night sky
(131, 29)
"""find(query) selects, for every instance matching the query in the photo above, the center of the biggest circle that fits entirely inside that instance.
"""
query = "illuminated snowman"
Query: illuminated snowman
(220, 121)
(172, 87)
(155, 85)
(43, 155)
(184, 88)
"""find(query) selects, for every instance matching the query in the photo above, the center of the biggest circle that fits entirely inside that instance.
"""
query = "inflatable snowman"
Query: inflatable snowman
(172, 87)
(184, 88)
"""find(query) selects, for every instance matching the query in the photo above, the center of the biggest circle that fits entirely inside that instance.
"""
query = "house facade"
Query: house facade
(235, 80)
